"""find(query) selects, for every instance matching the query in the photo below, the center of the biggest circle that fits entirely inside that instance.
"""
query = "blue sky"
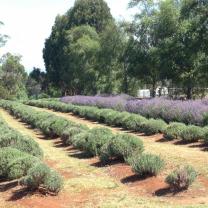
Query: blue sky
(29, 22)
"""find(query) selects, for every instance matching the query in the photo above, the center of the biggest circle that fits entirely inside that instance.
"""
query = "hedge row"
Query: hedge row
(12, 138)
(130, 121)
(99, 142)
(19, 155)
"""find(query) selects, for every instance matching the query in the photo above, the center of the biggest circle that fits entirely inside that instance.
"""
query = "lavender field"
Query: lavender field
(189, 112)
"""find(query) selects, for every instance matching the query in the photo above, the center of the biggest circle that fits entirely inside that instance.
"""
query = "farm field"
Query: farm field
(175, 153)
(87, 183)
(104, 104)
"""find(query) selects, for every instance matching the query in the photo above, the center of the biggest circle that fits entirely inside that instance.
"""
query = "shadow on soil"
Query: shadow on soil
(100, 164)
(133, 178)
(167, 192)
(17, 192)
(80, 155)
(20, 193)
(5, 186)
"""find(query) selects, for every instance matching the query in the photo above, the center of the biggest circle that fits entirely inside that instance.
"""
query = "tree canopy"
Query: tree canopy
(12, 77)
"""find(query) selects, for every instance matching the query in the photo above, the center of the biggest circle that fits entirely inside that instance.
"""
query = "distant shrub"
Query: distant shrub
(192, 133)
(58, 126)
(46, 124)
(121, 118)
(146, 164)
(41, 176)
(97, 137)
(121, 147)
(173, 131)
(70, 132)
(181, 178)
(205, 119)
(79, 141)
(153, 126)
(133, 122)
(104, 114)
(92, 113)
(205, 135)
(110, 117)
(76, 110)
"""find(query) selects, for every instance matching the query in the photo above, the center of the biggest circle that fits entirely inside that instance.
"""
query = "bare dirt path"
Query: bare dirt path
(89, 185)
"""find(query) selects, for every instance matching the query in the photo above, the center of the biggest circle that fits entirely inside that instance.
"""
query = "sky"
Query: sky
(28, 23)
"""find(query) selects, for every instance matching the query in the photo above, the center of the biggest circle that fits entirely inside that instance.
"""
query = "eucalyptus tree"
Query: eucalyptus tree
(59, 54)
(12, 78)
(152, 25)
(80, 55)
(185, 52)
(3, 37)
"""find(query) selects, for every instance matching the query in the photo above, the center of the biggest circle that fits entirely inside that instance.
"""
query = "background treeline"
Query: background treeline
(88, 52)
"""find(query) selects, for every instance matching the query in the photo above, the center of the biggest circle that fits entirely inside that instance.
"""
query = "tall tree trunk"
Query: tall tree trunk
(125, 84)
(153, 90)
(189, 93)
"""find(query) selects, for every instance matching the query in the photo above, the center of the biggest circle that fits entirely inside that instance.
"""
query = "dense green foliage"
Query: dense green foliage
(41, 176)
(20, 166)
(84, 52)
(174, 130)
(37, 84)
(8, 156)
(181, 178)
(175, 48)
(192, 133)
(121, 147)
(12, 138)
(19, 155)
(88, 52)
(146, 164)
(12, 78)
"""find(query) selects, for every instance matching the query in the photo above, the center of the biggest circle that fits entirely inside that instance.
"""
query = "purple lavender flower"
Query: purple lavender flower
(189, 112)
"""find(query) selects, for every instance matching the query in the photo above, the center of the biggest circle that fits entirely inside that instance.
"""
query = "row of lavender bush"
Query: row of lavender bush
(189, 112)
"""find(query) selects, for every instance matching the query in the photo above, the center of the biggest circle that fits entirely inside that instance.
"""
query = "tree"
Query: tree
(80, 54)
(94, 13)
(145, 61)
(53, 52)
(62, 54)
(185, 51)
(36, 82)
(153, 24)
(108, 63)
(33, 87)
(12, 77)
(3, 38)
(40, 77)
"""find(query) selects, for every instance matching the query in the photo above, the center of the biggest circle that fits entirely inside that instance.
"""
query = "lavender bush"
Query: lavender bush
(189, 112)
(117, 102)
